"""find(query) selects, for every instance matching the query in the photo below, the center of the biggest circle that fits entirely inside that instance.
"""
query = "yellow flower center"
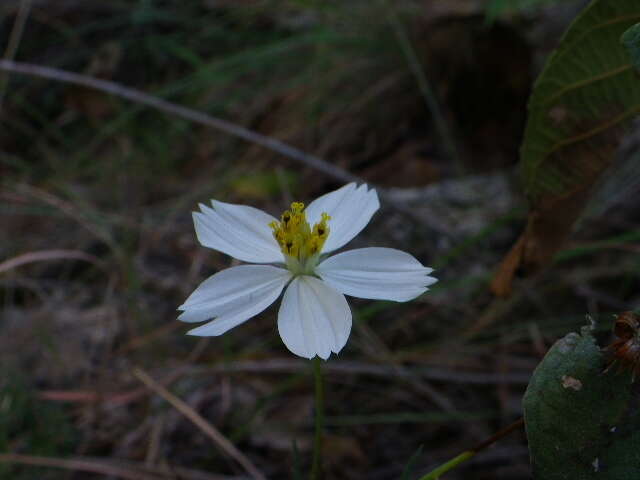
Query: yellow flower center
(300, 244)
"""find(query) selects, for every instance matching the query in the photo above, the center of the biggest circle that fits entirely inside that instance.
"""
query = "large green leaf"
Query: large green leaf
(585, 94)
(581, 423)
(580, 107)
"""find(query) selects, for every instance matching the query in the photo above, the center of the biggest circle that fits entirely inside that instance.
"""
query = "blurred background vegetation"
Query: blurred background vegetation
(424, 99)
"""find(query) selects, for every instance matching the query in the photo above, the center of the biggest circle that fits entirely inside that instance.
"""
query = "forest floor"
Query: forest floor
(424, 100)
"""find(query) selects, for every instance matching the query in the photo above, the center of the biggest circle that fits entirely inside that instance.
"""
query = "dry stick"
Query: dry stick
(46, 255)
(14, 42)
(78, 464)
(276, 366)
(138, 96)
(286, 365)
(224, 444)
(225, 126)
(464, 456)
(121, 469)
(113, 399)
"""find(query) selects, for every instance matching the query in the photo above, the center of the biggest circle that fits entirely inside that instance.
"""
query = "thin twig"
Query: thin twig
(436, 473)
(283, 365)
(113, 399)
(14, 42)
(78, 464)
(46, 255)
(140, 97)
(279, 366)
(225, 126)
(498, 435)
(225, 445)
(119, 468)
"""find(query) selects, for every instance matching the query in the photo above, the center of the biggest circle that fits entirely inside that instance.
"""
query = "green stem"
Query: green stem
(319, 420)
(445, 467)
(464, 456)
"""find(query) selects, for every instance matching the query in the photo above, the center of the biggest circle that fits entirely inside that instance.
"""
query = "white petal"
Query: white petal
(379, 273)
(313, 319)
(233, 296)
(350, 208)
(239, 231)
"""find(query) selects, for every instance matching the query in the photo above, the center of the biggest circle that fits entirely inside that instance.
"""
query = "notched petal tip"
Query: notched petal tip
(429, 280)
(376, 273)
(194, 332)
(239, 231)
(350, 208)
(204, 331)
(232, 296)
(374, 199)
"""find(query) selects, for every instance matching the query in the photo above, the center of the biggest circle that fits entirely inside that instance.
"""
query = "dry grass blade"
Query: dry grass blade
(67, 208)
(116, 399)
(78, 464)
(113, 399)
(121, 469)
(47, 255)
(225, 445)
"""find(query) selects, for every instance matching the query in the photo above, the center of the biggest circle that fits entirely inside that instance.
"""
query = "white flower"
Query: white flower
(314, 317)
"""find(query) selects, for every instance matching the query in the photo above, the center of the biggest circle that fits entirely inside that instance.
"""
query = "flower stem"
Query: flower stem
(464, 456)
(319, 419)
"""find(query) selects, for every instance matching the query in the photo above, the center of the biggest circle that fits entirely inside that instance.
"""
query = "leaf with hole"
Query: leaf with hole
(582, 422)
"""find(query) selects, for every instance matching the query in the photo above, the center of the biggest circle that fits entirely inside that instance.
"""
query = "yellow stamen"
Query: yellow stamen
(298, 241)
